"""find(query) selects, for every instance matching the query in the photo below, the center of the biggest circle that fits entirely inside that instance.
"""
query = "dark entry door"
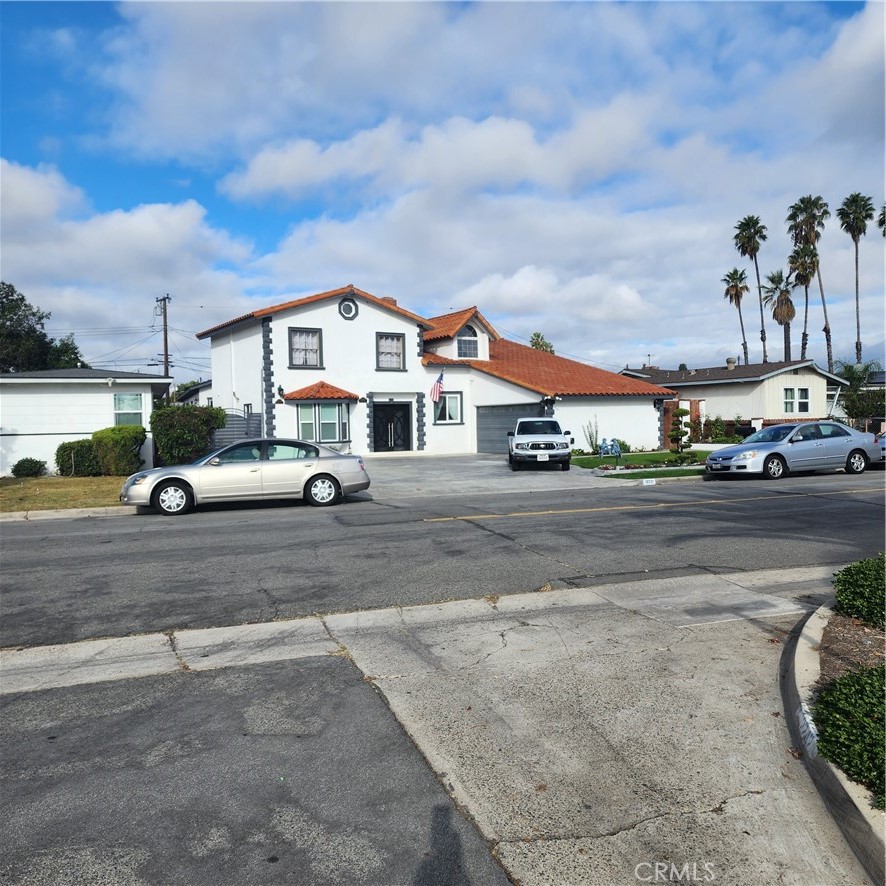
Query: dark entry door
(392, 427)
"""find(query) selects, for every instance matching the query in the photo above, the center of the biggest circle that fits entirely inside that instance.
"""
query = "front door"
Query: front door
(392, 427)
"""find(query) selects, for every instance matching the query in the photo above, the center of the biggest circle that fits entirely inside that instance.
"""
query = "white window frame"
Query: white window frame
(316, 423)
(305, 344)
(125, 414)
(468, 340)
(796, 401)
(390, 351)
(448, 409)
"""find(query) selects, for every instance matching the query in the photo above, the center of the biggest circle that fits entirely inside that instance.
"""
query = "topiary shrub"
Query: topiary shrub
(859, 590)
(849, 715)
(184, 433)
(118, 449)
(29, 467)
(77, 458)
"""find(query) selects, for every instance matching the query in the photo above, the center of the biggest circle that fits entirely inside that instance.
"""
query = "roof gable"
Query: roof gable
(449, 325)
(386, 303)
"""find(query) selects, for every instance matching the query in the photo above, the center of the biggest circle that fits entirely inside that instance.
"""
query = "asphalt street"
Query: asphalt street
(583, 733)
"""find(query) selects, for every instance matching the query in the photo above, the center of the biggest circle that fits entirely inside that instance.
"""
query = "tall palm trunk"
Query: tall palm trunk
(787, 342)
(804, 341)
(744, 341)
(762, 318)
(857, 312)
(826, 329)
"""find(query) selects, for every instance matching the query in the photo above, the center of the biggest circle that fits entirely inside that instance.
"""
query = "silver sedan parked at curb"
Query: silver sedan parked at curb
(249, 470)
(777, 450)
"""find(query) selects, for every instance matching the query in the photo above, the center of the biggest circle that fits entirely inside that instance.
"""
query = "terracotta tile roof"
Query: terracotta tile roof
(448, 325)
(719, 374)
(552, 376)
(320, 391)
(388, 304)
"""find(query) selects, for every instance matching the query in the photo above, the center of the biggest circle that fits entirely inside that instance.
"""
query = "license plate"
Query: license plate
(542, 457)
(718, 467)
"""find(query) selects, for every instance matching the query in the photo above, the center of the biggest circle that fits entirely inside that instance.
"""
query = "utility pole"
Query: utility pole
(163, 302)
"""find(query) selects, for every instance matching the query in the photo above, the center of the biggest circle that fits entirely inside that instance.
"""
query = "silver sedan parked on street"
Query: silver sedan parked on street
(249, 470)
(804, 446)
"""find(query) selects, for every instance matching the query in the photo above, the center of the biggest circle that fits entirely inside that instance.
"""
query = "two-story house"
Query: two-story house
(360, 373)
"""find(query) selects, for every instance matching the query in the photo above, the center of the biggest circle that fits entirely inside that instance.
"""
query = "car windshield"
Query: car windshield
(538, 427)
(770, 435)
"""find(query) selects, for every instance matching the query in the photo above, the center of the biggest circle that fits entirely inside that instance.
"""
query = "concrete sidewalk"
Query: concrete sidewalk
(594, 736)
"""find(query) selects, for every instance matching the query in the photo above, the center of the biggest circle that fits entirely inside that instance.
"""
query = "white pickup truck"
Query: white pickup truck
(537, 441)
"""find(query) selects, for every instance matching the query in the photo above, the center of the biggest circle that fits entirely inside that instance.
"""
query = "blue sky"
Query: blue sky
(570, 168)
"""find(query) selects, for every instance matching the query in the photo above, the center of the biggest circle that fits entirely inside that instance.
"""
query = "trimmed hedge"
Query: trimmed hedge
(118, 449)
(184, 433)
(860, 590)
(849, 715)
(77, 458)
(29, 467)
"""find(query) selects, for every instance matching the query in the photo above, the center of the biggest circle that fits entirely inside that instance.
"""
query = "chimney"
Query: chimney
(389, 300)
(730, 363)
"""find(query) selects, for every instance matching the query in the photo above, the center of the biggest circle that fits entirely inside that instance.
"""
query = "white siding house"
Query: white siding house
(357, 372)
(41, 410)
(757, 392)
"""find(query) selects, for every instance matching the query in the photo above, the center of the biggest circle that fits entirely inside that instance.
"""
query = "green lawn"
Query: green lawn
(646, 459)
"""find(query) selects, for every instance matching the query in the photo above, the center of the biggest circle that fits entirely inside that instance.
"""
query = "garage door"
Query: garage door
(494, 422)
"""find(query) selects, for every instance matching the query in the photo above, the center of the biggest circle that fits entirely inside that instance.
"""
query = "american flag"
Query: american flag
(437, 389)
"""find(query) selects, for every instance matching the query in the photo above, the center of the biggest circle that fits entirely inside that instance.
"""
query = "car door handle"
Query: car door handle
(254, 470)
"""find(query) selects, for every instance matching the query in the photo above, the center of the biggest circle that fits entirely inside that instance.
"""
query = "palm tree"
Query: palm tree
(881, 220)
(750, 232)
(778, 297)
(854, 213)
(803, 262)
(736, 286)
(540, 343)
(805, 221)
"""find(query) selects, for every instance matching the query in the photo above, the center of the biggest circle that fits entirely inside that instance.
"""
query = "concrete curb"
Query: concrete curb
(29, 516)
(850, 805)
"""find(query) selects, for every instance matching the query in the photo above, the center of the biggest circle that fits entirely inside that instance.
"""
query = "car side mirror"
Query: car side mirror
(567, 433)
(510, 433)
(215, 462)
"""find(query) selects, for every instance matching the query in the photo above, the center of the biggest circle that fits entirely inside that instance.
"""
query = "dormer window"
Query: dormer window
(467, 343)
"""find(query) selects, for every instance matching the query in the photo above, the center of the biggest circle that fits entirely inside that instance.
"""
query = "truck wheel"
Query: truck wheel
(565, 466)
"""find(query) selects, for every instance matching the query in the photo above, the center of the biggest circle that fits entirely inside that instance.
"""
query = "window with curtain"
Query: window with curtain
(305, 348)
(128, 409)
(323, 422)
(447, 410)
(390, 350)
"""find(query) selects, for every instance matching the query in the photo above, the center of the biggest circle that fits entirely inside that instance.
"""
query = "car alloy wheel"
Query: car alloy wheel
(773, 468)
(856, 463)
(322, 491)
(172, 499)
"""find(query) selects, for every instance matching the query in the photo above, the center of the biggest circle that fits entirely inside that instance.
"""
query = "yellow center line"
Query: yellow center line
(643, 507)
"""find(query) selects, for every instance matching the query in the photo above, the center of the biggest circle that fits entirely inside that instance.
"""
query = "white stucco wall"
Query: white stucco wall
(37, 416)
(632, 419)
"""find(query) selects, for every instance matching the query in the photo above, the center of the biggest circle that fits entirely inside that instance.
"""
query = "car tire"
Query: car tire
(510, 459)
(172, 499)
(774, 468)
(322, 491)
(566, 466)
(857, 462)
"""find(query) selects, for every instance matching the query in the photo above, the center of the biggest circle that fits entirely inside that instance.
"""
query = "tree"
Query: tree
(881, 220)
(854, 213)
(24, 345)
(802, 263)
(540, 343)
(750, 232)
(778, 297)
(805, 222)
(736, 286)
(860, 403)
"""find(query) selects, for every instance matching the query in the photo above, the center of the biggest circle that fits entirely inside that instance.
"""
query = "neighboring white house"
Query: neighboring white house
(41, 410)
(199, 394)
(757, 392)
(358, 372)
